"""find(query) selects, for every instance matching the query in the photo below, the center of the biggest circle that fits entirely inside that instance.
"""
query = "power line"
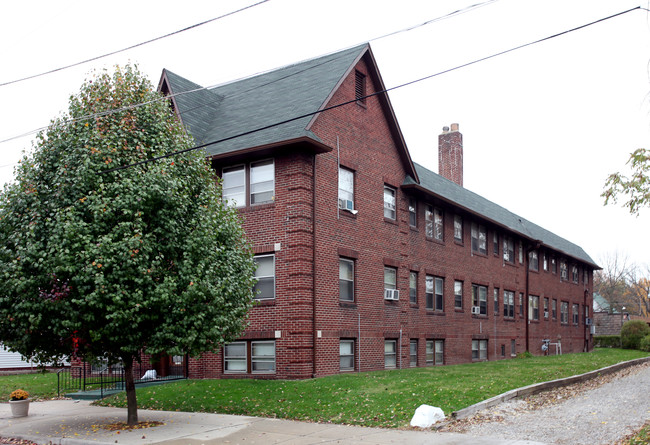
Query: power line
(266, 127)
(409, 28)
(133, 46)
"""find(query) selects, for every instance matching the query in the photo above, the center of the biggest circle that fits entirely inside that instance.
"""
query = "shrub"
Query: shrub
(644, 344)
(607, 341)
(632, 332)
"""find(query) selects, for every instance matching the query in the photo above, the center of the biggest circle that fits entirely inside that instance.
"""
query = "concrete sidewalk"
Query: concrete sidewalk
(77, 422)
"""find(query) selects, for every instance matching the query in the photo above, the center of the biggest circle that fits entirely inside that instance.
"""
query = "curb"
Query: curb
(539, 387)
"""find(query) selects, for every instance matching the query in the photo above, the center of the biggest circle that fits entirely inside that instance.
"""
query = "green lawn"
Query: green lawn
(39, 386)
(382, 398)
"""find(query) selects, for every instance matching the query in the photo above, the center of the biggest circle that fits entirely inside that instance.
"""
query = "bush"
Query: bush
(632, 332)
(644, 344)
(607, 341)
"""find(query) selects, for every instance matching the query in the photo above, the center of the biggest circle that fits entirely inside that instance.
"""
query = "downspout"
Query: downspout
(313, 290)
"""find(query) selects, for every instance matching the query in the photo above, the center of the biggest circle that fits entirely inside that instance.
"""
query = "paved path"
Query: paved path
(77, 422)
(597, 416)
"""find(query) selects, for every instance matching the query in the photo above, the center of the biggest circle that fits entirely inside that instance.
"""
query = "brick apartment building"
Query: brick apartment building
(367, 260)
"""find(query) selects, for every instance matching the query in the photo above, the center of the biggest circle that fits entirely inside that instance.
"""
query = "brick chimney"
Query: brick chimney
(450, 154)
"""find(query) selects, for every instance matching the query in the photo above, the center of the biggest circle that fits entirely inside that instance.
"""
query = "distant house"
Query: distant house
(365, 259)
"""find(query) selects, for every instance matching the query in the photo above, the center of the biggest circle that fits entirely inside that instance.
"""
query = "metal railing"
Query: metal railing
(104, 378)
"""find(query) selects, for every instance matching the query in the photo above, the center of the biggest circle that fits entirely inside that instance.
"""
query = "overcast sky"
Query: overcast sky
(543, 126)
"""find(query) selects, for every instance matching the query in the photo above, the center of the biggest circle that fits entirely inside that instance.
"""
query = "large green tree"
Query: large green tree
(109, 264)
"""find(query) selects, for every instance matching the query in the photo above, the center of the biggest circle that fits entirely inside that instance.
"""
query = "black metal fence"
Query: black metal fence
(103, 378)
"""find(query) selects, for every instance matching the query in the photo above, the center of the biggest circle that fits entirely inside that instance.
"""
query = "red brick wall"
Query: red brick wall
(363, 142)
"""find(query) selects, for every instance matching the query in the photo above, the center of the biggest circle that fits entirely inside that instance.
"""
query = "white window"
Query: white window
(521, 252)
(479, 349)
(390, 354)
(413, 287)
(435, 351)
(508, 304)
(496, 301)
(262, 182)
(564, 312)
(346, 355)
(428, 292)
(439, 289)
(533, 260)
(458, 294)
(390, 278)
(508, 250)
(413, 212)
(346, 279)
(458, 228)
(479, 238)
(564, 272)
(413, 353)
(533, 307)
(265, 273)
(479, 298)
(234, 185)
(346, 189)
(263, 356)
(546, 308)
(389, 203)
(575, 312)
(234, 356)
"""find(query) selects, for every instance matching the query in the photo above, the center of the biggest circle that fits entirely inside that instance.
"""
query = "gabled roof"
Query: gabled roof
(292, 96)
(437, 186)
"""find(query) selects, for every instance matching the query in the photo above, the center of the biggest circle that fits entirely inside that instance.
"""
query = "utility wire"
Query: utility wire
(384, 91)
(132, 46)
(117, 110)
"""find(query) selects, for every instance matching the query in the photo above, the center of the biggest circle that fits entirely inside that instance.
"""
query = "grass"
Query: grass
(39, 385)
(382, 398)
(640, 438)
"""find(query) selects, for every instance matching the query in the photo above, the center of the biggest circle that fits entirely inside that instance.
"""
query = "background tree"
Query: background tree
(111, 264)
(636, 187)
(611, 281)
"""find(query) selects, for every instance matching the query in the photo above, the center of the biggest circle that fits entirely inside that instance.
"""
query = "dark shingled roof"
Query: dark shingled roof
(256, 102)
(449, 191)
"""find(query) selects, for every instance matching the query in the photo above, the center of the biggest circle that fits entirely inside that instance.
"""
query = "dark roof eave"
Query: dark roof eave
(496, 223)
(300, 143)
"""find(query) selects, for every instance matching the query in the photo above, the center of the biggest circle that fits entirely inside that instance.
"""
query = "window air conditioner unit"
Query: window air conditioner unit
(588, 321)
(391, 294)
(592, 329)
(545, 314)
(476, 310)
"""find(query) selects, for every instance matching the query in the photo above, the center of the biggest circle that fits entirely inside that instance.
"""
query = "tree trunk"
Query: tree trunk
(131, 401)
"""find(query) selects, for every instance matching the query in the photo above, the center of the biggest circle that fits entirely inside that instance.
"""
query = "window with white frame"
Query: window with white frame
(495, 242)
(346, 279)
(265, 273)
(533, 260)
(575, 312)
(521, 252)
(585, 276)
(428, 292)
(479, 349)
(435, 352)
(390, 354)
(390, 278)
(255, 356)
(428, 221)
(413, 212)
(458, 228)
(346, 355)
(545, 261)
(458, 294)
(508, 304)
(479, 238)
(533, 307)
(496, 301)
(574, 273)
(564, 312)
(346, 189)
(413, 353)
(564, 272)
(249, 184)
(439, 291)
(521, 304)
(389, 202)
(553, 265)
(508, 249)
(262, 182)
(554, 309)
(413, 287)
(438, 224)
(234, 185)
(479, 298)
(546, 308)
